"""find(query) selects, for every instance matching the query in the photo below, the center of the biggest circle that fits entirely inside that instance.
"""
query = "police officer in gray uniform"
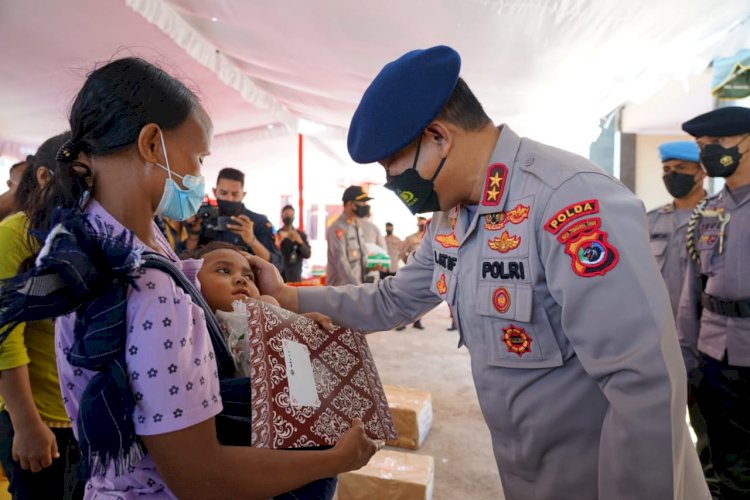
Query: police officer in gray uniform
(347, 250)
(544, 260)
(714, 311)
(667, 228)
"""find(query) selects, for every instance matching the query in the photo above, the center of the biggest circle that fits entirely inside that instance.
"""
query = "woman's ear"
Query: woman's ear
(43, 176)
(150, 144)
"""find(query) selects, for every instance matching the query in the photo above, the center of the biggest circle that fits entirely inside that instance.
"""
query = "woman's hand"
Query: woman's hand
(354, 448)
(34, 446)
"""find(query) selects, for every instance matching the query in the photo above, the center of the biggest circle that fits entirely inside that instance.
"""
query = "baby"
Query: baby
(226, 276)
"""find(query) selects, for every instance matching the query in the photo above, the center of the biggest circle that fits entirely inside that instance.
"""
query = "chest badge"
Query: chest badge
(448, 240)
(441, 285)
(501, 300)
(504, 243)
(497, 221)
(340, 234)
(517, 340)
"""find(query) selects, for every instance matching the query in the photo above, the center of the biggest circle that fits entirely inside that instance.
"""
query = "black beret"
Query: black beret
(722, 122)
(401, 101)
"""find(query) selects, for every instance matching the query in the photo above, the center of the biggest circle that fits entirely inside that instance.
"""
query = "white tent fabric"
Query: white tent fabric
(550, 68)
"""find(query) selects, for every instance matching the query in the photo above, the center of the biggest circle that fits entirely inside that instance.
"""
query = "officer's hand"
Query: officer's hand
(321, 319)
(354, 448)
(242, 225)
(267, 276)
(34, 446)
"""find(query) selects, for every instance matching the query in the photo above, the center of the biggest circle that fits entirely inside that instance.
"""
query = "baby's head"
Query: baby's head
(225, 275)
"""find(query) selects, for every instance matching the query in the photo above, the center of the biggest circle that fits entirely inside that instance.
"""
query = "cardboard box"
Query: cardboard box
(392, 475)
(412, 414)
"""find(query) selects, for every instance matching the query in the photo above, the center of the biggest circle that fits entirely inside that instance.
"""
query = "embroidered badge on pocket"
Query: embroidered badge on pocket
(517, 340)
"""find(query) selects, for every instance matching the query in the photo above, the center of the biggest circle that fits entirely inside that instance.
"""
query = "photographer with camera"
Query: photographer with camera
(232, 222)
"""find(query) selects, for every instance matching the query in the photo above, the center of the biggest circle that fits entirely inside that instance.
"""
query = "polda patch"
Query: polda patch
(592, 254)
(578, 227)
(570, 213)
(501, 300)
(340, 234)
(517, 340)
(494, 184)
(504, 243)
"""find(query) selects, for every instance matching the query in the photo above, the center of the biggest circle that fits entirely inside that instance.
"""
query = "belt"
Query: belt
(730, 308)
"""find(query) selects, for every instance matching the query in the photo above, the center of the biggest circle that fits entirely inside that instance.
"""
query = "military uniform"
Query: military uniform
(667, 228)
(714, 328)
(347, 253)
(573, 349)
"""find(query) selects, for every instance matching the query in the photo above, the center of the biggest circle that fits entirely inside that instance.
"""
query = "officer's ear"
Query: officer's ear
(440, 134)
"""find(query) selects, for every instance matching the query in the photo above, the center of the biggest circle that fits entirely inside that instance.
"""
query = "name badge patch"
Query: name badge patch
(570, 213)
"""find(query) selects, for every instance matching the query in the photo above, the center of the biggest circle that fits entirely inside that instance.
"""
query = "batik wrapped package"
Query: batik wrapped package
(307, 384)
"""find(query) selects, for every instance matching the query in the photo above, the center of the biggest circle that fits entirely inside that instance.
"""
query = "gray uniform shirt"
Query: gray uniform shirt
(372, 233)
(667, 228)
(728, 274)
(573, 349)
(347, 253)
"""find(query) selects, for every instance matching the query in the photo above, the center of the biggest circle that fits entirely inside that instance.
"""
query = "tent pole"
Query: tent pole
(301, 185)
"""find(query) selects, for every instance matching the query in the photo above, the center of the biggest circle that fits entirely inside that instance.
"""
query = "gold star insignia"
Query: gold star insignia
(496, 179)
(492, 194)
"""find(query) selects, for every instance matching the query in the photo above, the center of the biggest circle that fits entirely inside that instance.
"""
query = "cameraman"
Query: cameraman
(231, 222)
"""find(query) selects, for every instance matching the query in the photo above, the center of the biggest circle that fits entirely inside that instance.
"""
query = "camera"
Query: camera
(215, 221)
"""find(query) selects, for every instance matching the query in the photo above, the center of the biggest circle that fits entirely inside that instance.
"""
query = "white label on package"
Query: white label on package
(299, 375)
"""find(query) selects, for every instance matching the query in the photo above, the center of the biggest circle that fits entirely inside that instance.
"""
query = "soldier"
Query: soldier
(667, 228)
(544, 260)
(714, 311)
(347, 251)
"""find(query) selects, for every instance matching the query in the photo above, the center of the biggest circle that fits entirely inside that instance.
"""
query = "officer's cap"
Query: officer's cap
(401, 101)
(679, 150)
(354, 193)
(722, 122)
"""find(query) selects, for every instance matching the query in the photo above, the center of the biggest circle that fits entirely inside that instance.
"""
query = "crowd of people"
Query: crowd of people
(116, 382)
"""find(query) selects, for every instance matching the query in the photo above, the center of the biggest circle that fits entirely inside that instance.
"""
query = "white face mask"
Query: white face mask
(180, 204)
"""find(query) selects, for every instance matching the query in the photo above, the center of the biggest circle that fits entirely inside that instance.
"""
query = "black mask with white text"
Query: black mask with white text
(720, 161)
(417, 193)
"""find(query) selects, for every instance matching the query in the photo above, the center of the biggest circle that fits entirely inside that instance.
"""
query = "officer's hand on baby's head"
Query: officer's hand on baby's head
(354, 447)
(267, 277)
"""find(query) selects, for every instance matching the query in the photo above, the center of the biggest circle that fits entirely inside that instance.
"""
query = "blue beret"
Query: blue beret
(401, 101)
(722, 122)
(679, 150)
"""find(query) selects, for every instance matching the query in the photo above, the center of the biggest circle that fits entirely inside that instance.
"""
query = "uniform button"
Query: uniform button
(529, 160)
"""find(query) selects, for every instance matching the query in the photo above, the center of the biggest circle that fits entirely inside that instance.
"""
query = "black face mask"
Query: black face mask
(679, 185)
(720, 161)
(362, 210)
(389, 232)
(230, 207)
(287, 220)
(418, 194)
